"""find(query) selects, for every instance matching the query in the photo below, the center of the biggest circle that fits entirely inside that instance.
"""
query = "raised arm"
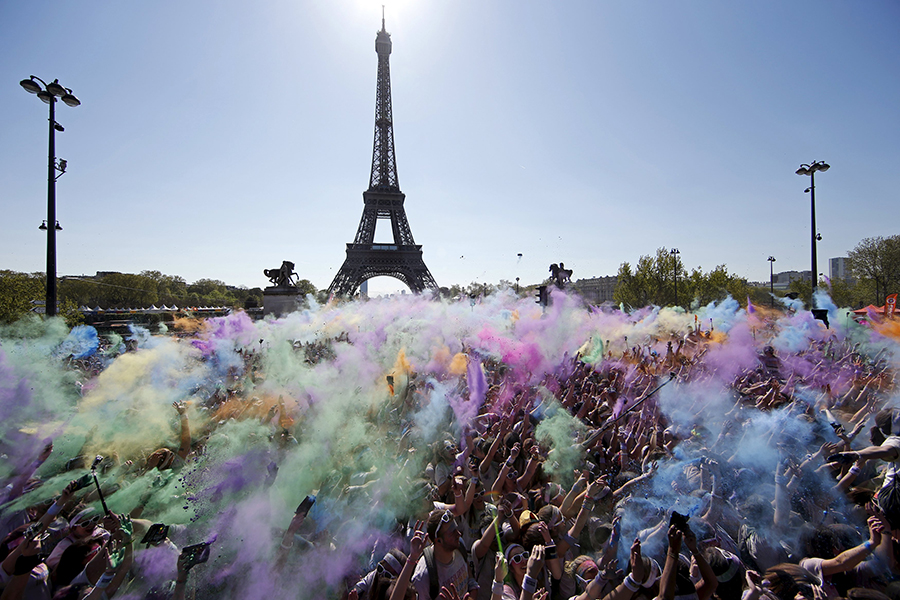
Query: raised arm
(416, 547)
(185, 447)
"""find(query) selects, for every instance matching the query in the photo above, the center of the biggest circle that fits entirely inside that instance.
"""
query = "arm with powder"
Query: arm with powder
(185, 447)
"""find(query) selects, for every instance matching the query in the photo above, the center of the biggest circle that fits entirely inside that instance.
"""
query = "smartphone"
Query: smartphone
(679, 520)
(195, 555)
(307, 503)
(82, 482)
(156, 534)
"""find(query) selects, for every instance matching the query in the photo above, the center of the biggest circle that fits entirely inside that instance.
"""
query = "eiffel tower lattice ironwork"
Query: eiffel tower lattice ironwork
(366, 258)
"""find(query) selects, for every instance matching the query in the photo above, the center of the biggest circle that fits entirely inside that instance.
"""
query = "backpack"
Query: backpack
(433, 588)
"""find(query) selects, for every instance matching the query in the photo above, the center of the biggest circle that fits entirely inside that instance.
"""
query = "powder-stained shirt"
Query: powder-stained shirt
(457, 573)
(893, 466)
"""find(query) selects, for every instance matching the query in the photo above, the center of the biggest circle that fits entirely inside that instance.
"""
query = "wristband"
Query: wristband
(104, 580)
(600, 579)
(288, 547)
(497, 588)
(868, 546)
(854, 469)
(550, 552)
(529, 584)
(630, 583)
(54, 509)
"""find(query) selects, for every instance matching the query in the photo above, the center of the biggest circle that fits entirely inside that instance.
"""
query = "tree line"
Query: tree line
(660, 279)
(19, 291)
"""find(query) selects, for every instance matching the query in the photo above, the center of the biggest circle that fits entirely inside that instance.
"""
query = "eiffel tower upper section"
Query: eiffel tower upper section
(384, 163)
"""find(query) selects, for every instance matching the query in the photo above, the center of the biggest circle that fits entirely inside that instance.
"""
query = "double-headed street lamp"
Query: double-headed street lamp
(810, 169)
(771, 260)
(675, 252)
(48, 93)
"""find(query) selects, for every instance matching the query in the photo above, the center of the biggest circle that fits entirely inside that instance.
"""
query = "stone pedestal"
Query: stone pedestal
(280, 301)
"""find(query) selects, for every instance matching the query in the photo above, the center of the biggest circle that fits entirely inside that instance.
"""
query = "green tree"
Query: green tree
(127, 290)
(304, 286)
(170, 289)
(17, 290)
(652, 281)
(876, 260)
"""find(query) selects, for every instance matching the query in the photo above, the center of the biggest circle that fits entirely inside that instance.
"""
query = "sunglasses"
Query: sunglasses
(445, 518)
(382, 570)
(519, 558)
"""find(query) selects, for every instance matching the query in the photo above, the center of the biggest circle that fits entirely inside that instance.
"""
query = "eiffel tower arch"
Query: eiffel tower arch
(402, 257)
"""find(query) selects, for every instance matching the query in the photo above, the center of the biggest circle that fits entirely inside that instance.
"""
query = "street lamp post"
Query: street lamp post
(48, 94)
(675, 252)
(771, 260)
(810, 169)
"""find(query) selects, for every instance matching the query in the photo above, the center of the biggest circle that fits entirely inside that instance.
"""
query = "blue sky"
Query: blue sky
(216, 139)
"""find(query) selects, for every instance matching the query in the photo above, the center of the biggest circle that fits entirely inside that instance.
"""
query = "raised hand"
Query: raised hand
(675, 537)
(535, 562)
(514, 451)
(417, 543)
(449, 593)
(637, 563)
(501, 568)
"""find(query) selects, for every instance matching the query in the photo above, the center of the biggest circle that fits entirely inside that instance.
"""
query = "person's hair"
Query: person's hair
(883, 426)
(573, 565)
(820, 542)
(845, 535)
(433, 522)
(486, 519)
(71, 563)
(532, 537)
(731, 588)
(786, 580)
(545, 514)
(380, 588)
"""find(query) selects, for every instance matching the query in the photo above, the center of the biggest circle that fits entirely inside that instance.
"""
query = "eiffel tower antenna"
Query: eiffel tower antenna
(401, 258)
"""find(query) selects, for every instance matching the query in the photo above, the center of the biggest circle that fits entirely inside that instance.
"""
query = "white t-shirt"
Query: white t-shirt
(457, 573)
(892, 441)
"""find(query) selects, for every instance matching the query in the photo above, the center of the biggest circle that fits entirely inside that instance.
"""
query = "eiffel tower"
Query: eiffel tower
(401, 258)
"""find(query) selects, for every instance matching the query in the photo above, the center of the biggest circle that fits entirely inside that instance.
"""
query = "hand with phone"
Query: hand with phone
(305, 505)
(156, 535)
(192, 556)
(299, 516)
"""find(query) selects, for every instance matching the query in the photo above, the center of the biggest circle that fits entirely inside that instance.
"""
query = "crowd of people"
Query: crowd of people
(411, 448)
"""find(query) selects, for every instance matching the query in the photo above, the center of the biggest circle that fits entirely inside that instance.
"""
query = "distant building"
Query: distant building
(839, 269)
(783, 280)
(596, 290)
